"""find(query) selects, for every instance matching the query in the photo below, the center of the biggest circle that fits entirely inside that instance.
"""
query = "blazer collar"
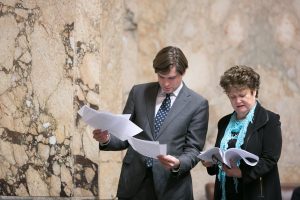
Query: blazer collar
(181, 101)
(151, 94)
(261, 116)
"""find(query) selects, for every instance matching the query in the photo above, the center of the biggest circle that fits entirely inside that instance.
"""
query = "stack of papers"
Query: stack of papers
(118, 125)
(124, 129)
(216, 154)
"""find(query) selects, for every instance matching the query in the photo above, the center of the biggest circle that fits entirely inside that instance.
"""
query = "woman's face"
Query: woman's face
(242, 100)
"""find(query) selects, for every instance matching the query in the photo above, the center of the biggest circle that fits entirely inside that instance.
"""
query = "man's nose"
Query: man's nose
(166, 82)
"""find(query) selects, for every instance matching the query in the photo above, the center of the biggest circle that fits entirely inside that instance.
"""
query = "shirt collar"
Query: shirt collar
(175, 93)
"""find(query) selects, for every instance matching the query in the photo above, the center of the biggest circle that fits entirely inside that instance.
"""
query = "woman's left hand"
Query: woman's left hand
(234, 171)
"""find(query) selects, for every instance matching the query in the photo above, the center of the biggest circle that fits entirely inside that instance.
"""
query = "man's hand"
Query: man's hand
(169, 162)
(101, 136)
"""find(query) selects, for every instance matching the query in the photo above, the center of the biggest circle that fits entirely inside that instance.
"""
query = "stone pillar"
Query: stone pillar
(49, 67)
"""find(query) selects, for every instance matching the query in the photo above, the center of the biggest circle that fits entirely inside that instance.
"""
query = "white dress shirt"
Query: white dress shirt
(162, 95)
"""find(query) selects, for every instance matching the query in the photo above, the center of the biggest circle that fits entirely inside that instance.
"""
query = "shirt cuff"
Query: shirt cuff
(175, 170)
(106, 143)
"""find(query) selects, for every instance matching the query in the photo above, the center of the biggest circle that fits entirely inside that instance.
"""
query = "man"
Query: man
(183, 130)
(296, 193)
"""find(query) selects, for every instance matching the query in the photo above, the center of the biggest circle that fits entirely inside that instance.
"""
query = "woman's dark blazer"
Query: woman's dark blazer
(263, 138)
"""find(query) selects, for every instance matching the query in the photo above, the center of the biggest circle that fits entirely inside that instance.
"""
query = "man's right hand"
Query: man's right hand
(101, 136)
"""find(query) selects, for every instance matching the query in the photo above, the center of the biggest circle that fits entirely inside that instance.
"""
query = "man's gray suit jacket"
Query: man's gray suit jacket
(184, 131)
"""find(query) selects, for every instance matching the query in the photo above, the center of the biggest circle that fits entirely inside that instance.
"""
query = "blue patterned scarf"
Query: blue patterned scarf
(234, 126)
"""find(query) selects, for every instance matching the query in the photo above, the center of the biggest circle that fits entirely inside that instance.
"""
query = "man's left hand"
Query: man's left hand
(169, 162)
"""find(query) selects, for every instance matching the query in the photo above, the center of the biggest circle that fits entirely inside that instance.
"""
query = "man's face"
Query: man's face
(170, 81)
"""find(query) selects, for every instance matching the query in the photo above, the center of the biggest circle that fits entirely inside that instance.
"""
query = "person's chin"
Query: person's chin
(168, 91)
(240, 110)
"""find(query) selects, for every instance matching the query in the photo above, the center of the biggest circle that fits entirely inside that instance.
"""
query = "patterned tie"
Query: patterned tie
(158, 121)
(161, 114)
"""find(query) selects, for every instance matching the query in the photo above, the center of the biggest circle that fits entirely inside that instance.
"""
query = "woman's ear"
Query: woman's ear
(254, 92)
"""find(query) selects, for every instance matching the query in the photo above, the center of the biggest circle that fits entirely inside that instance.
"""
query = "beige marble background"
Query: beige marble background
(56, 56)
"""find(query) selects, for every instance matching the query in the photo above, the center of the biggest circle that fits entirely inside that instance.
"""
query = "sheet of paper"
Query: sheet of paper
(118, 125)
(237, 154)
(208, 155)
(148, 148)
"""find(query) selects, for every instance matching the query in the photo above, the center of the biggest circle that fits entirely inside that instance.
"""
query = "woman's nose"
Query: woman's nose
(238, 100)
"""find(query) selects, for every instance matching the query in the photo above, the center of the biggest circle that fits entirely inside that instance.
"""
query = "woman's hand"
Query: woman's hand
(207, 163)
(234, 171)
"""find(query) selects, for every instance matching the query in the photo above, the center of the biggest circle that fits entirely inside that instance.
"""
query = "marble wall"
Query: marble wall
(49, 67)
(56, 56)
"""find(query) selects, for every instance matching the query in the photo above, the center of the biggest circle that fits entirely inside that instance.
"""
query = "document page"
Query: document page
(118, 125)
(216, 154)
(237, 154)
(209, 154)
(148, 148)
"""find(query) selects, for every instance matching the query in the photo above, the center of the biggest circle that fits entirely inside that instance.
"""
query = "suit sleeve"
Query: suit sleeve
(116, 144)
(195, 138)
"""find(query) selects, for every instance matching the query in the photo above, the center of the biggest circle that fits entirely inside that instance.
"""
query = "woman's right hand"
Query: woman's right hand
(207, 163)
(101, 136)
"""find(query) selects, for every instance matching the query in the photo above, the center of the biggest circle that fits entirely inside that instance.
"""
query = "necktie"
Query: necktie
(158, 121)
(161, 114)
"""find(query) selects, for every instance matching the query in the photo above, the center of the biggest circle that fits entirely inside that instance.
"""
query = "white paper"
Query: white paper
(208, 155)
(237, 154)
(147, 148)
(234, 154)
(118, 125)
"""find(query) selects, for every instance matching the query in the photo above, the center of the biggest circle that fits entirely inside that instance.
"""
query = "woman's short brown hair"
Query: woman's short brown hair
(169, 57)
(240, 77)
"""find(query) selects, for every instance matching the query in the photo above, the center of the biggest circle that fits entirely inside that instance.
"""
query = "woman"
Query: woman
(250, 127)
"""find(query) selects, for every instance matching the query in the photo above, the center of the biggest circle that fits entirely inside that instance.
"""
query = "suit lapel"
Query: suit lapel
(181, 101)
(151, 94)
